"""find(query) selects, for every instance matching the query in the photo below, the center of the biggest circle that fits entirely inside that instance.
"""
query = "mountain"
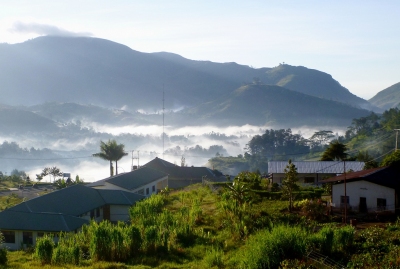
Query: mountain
(105, 73)
(274, 106)
(387, 98)
(14, 120)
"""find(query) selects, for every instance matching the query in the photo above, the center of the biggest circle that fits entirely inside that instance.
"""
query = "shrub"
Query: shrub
(213, 258)
(3, 251)
(267, 249)
(44, 249)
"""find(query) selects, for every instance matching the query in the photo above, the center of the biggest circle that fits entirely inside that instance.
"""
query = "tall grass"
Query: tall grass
(266, 249)
(44, 249)
(3, 251)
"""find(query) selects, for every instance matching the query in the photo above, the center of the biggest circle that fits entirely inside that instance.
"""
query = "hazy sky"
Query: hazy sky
(357, 42)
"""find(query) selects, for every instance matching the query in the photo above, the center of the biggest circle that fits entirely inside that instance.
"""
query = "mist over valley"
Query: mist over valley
(63, 95)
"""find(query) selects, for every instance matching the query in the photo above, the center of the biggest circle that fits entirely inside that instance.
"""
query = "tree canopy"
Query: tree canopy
(111, 151)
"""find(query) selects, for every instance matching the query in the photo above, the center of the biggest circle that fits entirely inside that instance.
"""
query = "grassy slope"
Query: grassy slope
(194, 256)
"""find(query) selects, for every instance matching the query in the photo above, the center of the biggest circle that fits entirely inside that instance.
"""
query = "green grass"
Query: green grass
(8, 201)
(189, 229)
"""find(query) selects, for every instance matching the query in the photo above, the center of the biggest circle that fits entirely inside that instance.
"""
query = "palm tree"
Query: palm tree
(335, 151)
(111, 151)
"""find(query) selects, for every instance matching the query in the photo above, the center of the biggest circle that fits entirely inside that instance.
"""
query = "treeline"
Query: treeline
(367, 139)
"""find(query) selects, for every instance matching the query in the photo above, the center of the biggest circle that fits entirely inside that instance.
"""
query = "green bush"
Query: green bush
(213, 258)
(267, 249)
(3, 251)
(44, 249)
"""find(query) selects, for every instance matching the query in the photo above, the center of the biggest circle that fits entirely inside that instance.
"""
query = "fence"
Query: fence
(324, 260)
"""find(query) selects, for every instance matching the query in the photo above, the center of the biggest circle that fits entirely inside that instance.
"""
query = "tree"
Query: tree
(321, 137)
(289, 183)
(335, 151)
(55, 172)
(392, 159)
(363, 156)
(111, 151)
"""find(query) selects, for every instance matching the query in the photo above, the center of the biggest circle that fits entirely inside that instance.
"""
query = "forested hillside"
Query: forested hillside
(368, 139)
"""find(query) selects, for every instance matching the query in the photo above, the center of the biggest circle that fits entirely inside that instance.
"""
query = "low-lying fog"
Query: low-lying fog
(73, 153)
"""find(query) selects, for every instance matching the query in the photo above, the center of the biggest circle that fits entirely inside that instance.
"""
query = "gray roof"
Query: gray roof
(74, 200)
(181, 173)
(132, 180)
(320, 167)
(59, 210)
(116, 197)
(50, 222)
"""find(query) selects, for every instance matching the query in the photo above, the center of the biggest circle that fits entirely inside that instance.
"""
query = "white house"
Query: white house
(312, 172)
(65, 210)
(372, 190)
(144, 181)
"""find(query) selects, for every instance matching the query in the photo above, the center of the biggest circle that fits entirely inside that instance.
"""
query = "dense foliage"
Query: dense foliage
(368, 139)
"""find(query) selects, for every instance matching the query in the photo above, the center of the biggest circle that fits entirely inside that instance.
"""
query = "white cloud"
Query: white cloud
(43, 29)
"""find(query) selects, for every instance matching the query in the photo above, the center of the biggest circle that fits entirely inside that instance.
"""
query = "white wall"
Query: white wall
(370, 191)
(158, 184)
(119, 213)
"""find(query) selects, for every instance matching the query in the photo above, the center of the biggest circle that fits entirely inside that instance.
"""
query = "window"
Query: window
(40, 234)
(381, 203)
(343, 201)
(147, 191)
(92, 214)
(9, 237)
(308, 180)
(153, 188)
(27, 238)
(97, 212)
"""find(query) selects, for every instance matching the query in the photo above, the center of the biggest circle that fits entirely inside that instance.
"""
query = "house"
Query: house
(144, 181)
(312, 172)
(371, 190)
(65, 210)
(182, 176)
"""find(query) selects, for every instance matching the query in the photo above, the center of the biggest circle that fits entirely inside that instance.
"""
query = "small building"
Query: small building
(182, 176)
(144, 181)
(312, 172)
(65, 210)
(372, 190)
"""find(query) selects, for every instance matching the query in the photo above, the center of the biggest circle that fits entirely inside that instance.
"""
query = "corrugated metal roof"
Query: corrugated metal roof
(335, 167)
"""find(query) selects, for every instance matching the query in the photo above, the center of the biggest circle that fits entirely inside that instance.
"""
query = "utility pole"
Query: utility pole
(345, 192)
(397, 134)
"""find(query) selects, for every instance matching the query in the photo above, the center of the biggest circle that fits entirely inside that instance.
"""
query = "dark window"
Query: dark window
(97, 212)
(92, 214)
(308, 180)
(27, 238)
(9, 236)
(343, 201)
(154, 188)
(147, 191)
(40, 234)
(381, 203)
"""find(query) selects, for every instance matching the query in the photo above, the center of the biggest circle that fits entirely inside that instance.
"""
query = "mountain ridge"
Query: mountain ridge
(106, 73)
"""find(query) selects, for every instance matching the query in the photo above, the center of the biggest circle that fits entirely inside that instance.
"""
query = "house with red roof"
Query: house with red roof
(372, 190)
